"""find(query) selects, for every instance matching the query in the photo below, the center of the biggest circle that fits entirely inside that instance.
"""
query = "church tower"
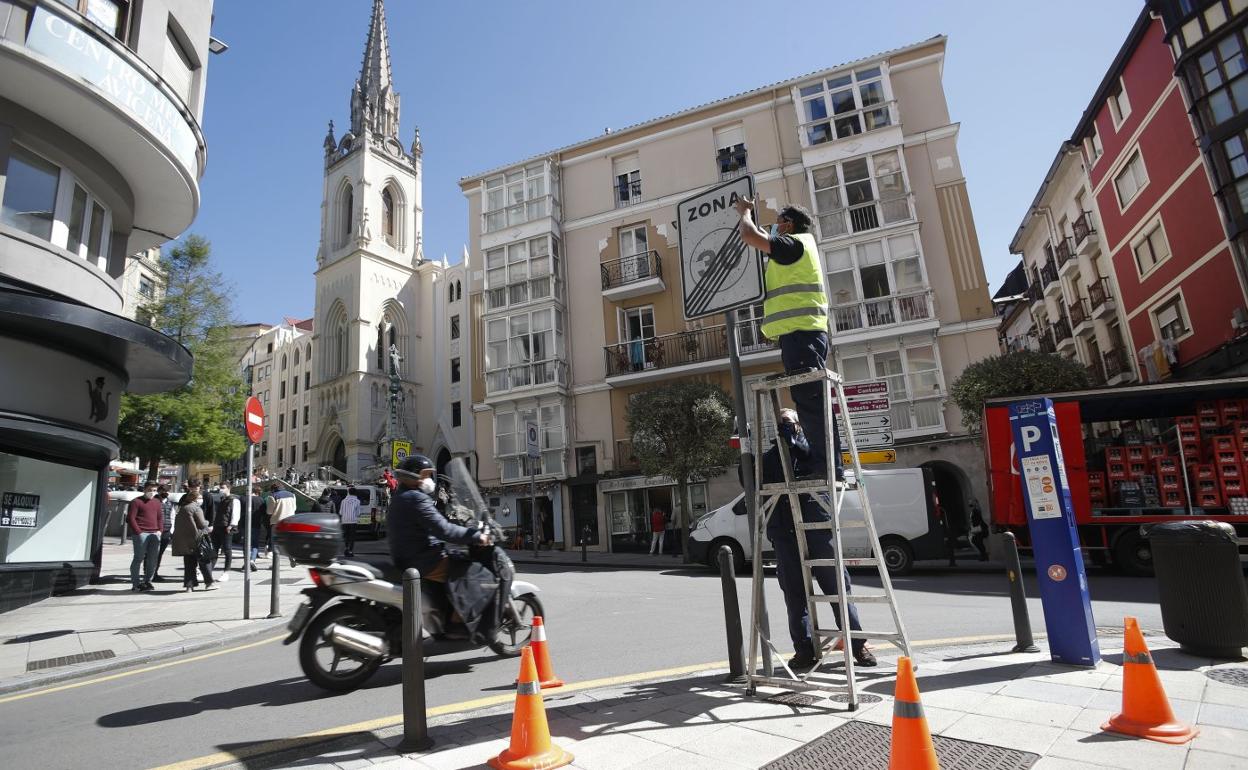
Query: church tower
(374, 288)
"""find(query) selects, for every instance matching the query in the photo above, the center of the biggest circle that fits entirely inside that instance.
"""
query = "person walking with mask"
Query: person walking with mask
(280, 504)
(189, 525)
(166, 527)
(228, 509)
(349, 513)
(144, 519)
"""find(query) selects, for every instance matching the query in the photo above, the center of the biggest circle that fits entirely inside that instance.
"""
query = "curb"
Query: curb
(564, 562)
(35, 681)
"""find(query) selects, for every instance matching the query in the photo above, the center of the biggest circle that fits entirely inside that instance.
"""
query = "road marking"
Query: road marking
(328, 733)
(133, 672)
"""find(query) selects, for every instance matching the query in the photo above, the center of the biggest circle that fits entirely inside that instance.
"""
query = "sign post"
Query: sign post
(1054, 539)
(534, 452)
(253, 426)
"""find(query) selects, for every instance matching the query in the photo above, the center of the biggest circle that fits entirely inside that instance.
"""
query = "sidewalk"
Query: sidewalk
(106, 625)
(600, 560)
(996, 709)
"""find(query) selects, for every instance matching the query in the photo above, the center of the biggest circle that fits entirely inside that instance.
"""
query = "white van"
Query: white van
(374, 501)
(905, 518)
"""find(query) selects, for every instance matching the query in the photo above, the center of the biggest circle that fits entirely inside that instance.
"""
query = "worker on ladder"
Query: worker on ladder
(783, 537)
(795, 314)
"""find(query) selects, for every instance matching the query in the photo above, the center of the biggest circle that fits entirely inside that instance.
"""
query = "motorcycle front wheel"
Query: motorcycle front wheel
(514, 634)
(329, 667)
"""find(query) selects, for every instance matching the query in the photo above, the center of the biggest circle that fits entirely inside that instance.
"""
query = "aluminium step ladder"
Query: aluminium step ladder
(829, 495)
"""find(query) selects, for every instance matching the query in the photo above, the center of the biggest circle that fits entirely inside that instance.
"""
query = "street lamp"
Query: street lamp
(217, 46)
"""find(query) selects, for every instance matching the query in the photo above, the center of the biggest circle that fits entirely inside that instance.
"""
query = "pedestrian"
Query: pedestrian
(280, 504)
(259, 525)
(324, 503)
(144, 520)
(349, 513)
(166, 527)
(228, 509)
(979, 529)
(783, 536)
(658, 525)
(390, 480)
(189, 527)
(795, 314)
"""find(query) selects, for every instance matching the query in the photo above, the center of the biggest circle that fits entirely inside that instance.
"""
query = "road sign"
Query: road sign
(253, 420)
(399, 451)
(871, 440)
(718, 271)
(865, 391)
(862, 407)
(873, 458)
(869, 421)
(530, 440)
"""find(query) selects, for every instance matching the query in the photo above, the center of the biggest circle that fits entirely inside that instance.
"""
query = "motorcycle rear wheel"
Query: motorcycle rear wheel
(323, 664)
(514, 634)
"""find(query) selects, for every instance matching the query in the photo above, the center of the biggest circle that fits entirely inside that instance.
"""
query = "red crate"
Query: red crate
(1207, 485)
(1191, 452)
(1136, 452)
(1209, 500)
(1202, 471)
(1229, 410)
(1115, 453)
(1137, 469)
(1165, 464)
(1096, 479)
(1224, 443)
(1172, 498)
(1240, 428)
(1209, 421)
(1186, 421)
(1169, 480)
(1206, 408)
(1116, 471)
(1232, 488)
(1229, 471)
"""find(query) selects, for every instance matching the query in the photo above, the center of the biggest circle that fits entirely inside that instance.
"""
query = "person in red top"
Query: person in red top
(146, 520)
(391, 481)
(658, 527)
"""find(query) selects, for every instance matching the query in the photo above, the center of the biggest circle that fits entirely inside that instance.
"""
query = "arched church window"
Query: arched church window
(308, 356)
(283, 362)
(340, 347)
(459, 290)
(381, 346)
(296, 356)
(387, 217)
(450, 292)
(348, 212)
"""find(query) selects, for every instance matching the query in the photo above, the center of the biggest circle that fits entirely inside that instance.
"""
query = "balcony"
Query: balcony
(883, 311)
(632, 276)
(696, 346)
(848, 124)
(1062, 335)
(1117, 369)
(1047, 345)
(1085, 234)
(523, 292)
(527, 376)
(865, 217)
(78, 77)
(1096, 373)
(1048, 277)
(520, 213)
(1065, 255)
(1035, 292)
(1080, 319)
(1102, 301)
(624, 458)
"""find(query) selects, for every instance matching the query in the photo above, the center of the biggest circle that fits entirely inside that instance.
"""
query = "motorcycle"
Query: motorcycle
(352, 620)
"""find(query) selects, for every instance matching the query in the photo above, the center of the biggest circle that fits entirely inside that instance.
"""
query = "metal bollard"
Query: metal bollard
(1018, 599)
(415, 722)
(732, 616)
(275, 589)
(584, 543)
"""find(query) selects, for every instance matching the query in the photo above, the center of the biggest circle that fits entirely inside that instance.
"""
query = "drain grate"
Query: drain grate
(150, 627)
(1237, 676)
(69, 660)
(863, 697)
(1119, 631)
(864, 746)
(795, 699)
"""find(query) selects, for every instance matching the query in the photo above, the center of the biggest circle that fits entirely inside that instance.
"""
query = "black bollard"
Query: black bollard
(275, 588)
(415, 722)
(732, 616)
(585, 543)
(1018, 599)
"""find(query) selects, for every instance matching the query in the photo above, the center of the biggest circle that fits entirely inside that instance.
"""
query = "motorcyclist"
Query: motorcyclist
(418, 532)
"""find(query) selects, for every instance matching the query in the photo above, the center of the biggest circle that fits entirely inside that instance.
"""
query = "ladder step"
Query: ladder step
(846, 562)
(777, 381)
(853, 599)
(809, 485)
(828, 524)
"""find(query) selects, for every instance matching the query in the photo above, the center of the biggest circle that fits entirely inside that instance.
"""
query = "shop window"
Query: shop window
(49, 509)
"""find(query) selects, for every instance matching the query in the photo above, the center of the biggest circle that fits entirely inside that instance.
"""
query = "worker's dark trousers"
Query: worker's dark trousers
(789, 573)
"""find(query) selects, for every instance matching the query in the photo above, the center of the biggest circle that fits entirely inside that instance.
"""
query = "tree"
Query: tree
(1020, 373)
(682, 431)
(199, 421)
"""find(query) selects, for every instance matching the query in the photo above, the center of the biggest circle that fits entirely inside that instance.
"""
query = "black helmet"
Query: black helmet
(412, 466)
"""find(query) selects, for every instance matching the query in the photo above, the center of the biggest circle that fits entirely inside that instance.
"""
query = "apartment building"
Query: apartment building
(577, 297)
(142, 283)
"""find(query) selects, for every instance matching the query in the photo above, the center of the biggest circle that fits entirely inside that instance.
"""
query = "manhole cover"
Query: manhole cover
(1119, 631)
(795, 699)
(864, 746)
(863, 697)
(150, 627)
(1236, 676)
(69, 660)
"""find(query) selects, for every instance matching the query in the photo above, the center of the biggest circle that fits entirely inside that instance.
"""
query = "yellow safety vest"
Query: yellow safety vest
(795, 300)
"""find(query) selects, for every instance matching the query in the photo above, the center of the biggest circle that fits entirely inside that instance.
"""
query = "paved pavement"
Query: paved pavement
(123, 627)
(1020, 701)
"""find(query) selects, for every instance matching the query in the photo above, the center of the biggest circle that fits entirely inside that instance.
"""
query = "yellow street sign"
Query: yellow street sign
(399, 452)
(873, 458)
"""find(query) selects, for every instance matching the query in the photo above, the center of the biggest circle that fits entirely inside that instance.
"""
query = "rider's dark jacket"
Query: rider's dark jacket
(418, 534)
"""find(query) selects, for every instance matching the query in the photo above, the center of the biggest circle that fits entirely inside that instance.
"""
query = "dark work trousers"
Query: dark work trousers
(803, 350)
(189, 565)
(348, 538)
(789, 573)
(221, 540)
(165, 539)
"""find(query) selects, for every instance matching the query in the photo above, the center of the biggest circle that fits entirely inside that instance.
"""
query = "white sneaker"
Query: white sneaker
(225, 577)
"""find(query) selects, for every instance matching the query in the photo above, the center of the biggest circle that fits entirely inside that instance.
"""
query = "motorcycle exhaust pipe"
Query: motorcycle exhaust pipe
(358, 642)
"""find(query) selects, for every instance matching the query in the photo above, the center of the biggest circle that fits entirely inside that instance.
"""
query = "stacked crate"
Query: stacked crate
(1098, 492)
(1205, 488)
(1169, 482)
(1189, 438)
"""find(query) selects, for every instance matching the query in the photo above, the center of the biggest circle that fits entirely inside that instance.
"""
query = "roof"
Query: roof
(1014, 284)
(691, 110)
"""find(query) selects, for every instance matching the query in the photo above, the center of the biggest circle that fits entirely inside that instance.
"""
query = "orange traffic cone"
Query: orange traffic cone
(1145, 711)
(530, 747)
(545, 671)
(912, 747)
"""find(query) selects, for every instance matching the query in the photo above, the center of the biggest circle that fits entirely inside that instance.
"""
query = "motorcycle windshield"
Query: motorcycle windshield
(464, 491)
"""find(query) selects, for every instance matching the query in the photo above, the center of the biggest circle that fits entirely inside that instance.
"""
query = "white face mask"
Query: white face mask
(775, 230)
(428, 486)
(148, 495)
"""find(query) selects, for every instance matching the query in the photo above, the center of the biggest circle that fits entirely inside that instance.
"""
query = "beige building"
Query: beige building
(576, 300)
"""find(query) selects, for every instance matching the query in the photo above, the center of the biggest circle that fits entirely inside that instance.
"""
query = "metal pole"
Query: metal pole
(275, 588)
(247, 561)
(585, 543)
(533, 502)
(732, 616)
(1018, 599)
(415, 722)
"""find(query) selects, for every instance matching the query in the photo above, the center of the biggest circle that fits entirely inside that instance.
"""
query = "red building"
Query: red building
(1178, 282)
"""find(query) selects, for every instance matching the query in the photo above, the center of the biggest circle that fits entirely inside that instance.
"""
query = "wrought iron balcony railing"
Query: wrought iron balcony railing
(1098, 293)
(1083, 227)
(631, 269)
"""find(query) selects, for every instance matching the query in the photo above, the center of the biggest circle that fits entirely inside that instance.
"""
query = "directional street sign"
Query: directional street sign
(864, 391)
(865, 440)
(718, 271)
(870, 417)
(873, 458)
(870, 420)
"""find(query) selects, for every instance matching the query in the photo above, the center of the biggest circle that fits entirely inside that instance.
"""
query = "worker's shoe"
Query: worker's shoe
(801, 662)
(864, 657)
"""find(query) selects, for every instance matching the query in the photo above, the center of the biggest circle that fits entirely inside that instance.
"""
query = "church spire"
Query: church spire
(374, 103)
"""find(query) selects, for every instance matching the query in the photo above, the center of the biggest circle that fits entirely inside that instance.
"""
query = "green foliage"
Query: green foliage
(1021, 373)
(198, 422)
(681, 431)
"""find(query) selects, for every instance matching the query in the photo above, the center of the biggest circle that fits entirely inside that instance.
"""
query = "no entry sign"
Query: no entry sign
(253, 420)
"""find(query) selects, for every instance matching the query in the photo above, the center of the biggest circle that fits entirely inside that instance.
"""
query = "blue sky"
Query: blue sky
(494, 82)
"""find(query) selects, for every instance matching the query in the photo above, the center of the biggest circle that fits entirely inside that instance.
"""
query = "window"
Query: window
(877, 283)
(294, 423)
(586, 461)
(281, 423)
(524, 349)
(283, 362)
(454, 370)
(1235, 172)
(1151, 250)
(270, 347)
(519, 196)
(844, 106)
(627, 174)
(1092, 145)
(178, 65)
(1171, 319)
(387, 336)
(112, 16)
(634, 254)
(282, 389)
(861, 194)
(147, 288)
(730, 151)
(387, 217)
(509, 443)
(88, 227)
(305, 415)
(305, 451)
(1119, 107)
(914, 381)
(279, 457)
(293, 456)
(455, 327)
(296, 356)
(347, 212)
(264, 447)
(294, 385)
(456, 414)
(459, 286)
(30, 194)
(522, 272)
(1130, 180)
(1223, 80)
(307, 379)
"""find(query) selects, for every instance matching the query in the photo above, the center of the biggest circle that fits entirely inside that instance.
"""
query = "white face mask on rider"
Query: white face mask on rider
(428, 486)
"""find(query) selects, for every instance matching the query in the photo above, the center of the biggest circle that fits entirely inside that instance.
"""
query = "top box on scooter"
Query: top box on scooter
(311, 538)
